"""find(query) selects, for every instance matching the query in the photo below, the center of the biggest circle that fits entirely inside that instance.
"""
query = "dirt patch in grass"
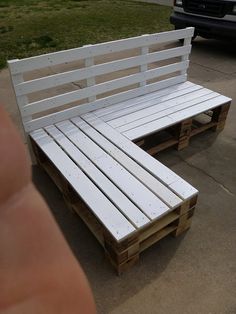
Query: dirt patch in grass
(30, 27)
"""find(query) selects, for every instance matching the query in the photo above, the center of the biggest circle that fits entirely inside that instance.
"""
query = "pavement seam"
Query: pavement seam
(225, 188)
(211, 69)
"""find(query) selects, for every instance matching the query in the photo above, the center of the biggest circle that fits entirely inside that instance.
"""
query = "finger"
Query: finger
(37, 268)
(14, 165)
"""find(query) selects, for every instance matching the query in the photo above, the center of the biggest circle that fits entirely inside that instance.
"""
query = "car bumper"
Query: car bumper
(207, 27)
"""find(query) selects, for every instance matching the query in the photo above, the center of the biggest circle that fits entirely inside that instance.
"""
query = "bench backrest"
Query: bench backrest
(72, 82)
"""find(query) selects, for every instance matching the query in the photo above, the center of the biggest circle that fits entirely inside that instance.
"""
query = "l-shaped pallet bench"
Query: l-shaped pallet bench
(83, 123)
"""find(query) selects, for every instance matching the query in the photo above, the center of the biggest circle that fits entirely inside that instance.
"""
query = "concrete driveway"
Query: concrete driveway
(195, 273)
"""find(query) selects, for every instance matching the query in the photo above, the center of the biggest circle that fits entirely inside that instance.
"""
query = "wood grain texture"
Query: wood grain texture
(129, 84)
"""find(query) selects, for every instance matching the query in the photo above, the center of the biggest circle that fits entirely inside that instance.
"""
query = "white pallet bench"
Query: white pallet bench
(81, 116)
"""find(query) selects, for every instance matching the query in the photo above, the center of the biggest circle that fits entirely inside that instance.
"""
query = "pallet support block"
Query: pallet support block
(184, 134)
(184, 223)
(122, 255)
(219, 116)
(187, 205)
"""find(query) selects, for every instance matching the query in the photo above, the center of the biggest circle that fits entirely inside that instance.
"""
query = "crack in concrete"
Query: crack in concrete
(215, 70)
(227, 190)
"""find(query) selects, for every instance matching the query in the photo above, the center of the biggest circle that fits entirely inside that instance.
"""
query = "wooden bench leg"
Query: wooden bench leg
(219, 116)
(186, 212)
(184, 134)
(183, 227)
(122, 255)
(187, 205)
(184, 223)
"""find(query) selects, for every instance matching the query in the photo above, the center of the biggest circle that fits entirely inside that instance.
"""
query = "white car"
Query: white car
(211, 18)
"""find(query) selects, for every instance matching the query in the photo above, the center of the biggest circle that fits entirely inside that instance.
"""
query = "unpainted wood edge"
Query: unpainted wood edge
(183, 228)
(219, 116)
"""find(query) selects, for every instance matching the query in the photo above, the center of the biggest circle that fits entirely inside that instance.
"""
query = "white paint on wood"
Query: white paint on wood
(158, 188)
(132, 213)
(200, 108)
(66, 98)
(89, 73)
(51, 59)
(146, 108)
(157, 169)
(91, 70)
(112, 109)
(187, 42)
(102, 208)
(183, 188)
(161, 109)
(101, 103)
(163, 113)
(144, 65)
(175, 117)
(89, 62)
(22, 100)
(149, 203)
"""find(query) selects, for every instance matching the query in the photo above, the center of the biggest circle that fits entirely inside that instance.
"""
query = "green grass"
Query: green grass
(32, 27)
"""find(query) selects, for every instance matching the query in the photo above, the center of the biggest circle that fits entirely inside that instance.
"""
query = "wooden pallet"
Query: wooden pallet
(124, 254)
(180, 134)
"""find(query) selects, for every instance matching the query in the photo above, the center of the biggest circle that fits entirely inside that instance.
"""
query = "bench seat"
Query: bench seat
(125, 188)
(144, 115)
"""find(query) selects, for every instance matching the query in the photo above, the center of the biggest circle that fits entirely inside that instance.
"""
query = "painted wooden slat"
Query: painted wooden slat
(66, 98)
(158, 188)
(90, 80)
(157, 169)
(206, 94)
(129, 114)
(149, 203)
(101, 113)
(21, 100)
(144, 64)
(174, 118)
(132, 213)
(187, 42)
(164, 103)
(51, 59)
(96, 70)
(101, 103)
(102, 208)
(183, 188)
(200, 108)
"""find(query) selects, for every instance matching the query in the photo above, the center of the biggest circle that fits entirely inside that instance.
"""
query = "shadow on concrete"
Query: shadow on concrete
(211, 154)
(198, 144)
(218, 48)
(213, 61)
(110, 290)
